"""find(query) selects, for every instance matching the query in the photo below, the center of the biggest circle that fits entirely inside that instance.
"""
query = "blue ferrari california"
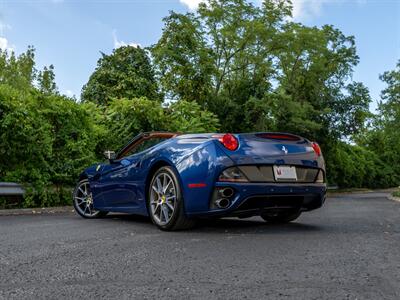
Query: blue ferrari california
(177, 178)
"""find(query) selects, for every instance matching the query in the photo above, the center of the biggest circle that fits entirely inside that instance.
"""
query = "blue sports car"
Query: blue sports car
(177, 178)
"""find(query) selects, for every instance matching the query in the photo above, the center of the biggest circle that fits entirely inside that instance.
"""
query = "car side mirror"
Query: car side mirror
(110, 155)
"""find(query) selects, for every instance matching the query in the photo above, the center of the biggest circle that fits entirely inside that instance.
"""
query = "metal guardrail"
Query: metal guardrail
(332, 187)
(11, 189)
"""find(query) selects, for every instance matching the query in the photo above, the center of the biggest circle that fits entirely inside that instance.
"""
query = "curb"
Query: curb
(391, 197)
(36, 211)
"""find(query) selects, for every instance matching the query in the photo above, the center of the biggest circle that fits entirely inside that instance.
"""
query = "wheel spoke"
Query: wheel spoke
(82, 191)
(166, 186)
(159, 185)
(170, 197)
(90, 211)
(165, 213)
(156, 208)
(155, 188)
(169, 205)
(159, 214)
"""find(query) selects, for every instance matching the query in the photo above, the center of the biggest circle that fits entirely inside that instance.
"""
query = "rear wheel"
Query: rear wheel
(83, 201)
(165, 201)
(281, 217)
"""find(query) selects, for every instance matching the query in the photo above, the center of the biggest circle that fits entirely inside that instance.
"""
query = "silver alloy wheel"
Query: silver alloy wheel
(84, 200)
(162, 198)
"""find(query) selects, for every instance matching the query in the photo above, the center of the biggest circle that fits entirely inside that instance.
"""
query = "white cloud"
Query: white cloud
(191, 4)
(307, 9)
(118, 44)
(4, 44)
(69, 93)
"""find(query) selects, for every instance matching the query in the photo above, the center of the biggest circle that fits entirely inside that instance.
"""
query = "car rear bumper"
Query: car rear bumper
(251, 199)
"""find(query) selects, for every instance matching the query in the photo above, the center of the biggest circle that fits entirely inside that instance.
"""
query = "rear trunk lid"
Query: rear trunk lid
(273, 148)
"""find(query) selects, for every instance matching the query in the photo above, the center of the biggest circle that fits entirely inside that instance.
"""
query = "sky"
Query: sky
(70, 34)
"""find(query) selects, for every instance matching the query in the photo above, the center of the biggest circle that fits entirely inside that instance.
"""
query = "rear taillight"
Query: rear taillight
(232, 175)
(316, 148)
(229, 141)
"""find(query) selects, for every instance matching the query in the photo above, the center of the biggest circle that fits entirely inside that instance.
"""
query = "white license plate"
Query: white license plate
(285, 173)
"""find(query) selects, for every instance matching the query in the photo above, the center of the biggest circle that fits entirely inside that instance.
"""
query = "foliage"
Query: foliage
(190, 117)
(126, 73)
(18, 72)
(126, 118)
(355, 166)
(44, 139)
(46, 80)
(232, 55)
(384, 138)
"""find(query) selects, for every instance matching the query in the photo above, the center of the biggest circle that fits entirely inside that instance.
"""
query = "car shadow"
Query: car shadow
(239, 226)
(227, 225)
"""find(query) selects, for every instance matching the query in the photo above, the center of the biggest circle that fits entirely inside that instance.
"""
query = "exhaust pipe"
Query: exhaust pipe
(226, 192)
(222, 203)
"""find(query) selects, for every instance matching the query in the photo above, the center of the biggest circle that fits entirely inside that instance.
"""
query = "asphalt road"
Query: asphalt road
(349, 249)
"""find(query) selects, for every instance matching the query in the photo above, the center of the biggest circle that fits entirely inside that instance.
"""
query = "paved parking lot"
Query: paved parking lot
(349, 249)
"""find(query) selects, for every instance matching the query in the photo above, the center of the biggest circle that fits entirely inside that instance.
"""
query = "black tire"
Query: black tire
(281, 218)
(178, 219)
(79, 208)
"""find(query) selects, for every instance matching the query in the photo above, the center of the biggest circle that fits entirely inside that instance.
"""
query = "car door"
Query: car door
(117, 183)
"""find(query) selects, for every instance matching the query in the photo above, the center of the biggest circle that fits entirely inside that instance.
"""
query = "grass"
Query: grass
(348, 190)
(396, 194)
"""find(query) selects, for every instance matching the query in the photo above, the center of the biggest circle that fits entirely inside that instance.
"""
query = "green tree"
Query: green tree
(315, 71)
(189, 117)
(390, 104)
(384, 138)
(258, 71)
(125, 118)
(46, 80)
(18, 71)
(126, 73)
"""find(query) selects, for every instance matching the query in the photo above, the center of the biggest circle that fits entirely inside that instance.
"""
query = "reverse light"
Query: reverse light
(229, 141)
(320, 177)
(317, 148)
(232, 175)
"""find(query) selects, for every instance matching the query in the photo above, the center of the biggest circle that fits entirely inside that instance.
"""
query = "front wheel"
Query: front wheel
(165, 201)
(281, 217)
(83, 201)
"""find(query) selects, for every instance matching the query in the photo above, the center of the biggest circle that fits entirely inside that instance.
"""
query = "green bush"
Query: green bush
(125, 118)
(355, 166)
(190, 117)
(44, 140)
